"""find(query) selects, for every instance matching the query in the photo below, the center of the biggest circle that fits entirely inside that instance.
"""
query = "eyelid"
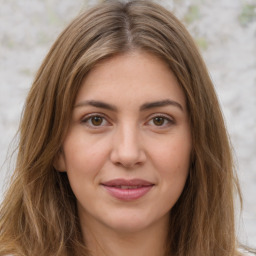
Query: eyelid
(167, 117)
(87, 117)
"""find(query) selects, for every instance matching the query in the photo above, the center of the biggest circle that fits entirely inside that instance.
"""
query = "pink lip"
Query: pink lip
(136, 188)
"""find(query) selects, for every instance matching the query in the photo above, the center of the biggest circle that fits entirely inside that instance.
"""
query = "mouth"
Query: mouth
(127, 190)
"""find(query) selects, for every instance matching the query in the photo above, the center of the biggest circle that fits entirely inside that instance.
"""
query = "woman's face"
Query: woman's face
(127, 152)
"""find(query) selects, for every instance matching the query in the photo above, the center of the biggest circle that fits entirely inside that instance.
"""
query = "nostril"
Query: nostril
(127, 149)
(128, 159)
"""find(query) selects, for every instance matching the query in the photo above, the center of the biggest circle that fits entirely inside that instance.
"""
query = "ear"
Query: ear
(59, 162)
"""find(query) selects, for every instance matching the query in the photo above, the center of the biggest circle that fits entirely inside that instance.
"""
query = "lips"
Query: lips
(127, 190)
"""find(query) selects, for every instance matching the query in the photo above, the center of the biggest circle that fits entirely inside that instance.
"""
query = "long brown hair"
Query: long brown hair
(39, 216)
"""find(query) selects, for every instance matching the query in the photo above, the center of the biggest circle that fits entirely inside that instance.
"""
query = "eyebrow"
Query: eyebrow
(145, 106)
(98, 104)
(161, 103)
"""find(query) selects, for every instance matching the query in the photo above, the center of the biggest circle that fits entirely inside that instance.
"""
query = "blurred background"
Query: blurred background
(225, 32)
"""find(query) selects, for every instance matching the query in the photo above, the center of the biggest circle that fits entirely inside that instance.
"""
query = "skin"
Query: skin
(127, 138)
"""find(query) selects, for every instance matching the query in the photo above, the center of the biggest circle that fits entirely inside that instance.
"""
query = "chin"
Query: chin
(130, 223)
(129, 227)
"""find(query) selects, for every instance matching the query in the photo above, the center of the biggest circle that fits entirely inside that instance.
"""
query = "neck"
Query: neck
(103, 241)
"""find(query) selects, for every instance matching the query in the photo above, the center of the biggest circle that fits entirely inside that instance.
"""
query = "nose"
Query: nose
(127, 149)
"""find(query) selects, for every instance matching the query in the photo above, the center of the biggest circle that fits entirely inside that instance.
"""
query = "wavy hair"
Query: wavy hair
(39, 215)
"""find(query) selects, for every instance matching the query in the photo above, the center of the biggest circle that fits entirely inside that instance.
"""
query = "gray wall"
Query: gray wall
(225, 31)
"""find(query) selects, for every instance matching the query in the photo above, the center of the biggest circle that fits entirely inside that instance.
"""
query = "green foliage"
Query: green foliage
(26, 71)
(193, 14)
(248, 14)
(202, 43)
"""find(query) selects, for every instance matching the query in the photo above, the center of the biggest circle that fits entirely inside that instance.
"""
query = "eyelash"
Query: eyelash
(167, 120)
(89, 117)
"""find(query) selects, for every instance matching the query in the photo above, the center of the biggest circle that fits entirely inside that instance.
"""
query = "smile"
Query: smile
(128, 187)
(127, 190)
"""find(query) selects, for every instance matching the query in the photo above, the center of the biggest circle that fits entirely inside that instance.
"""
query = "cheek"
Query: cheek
(173, 173)
(83, 154)
(84, 158)
(172, 161)
(174, 154)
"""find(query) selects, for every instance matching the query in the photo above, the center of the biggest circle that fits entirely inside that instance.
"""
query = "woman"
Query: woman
(123, 148)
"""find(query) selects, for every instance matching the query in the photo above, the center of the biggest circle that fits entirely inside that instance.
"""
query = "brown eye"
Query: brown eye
(96, 120)
(158, 121)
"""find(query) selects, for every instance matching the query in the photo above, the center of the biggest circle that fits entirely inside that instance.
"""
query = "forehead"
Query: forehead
(136, 76)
